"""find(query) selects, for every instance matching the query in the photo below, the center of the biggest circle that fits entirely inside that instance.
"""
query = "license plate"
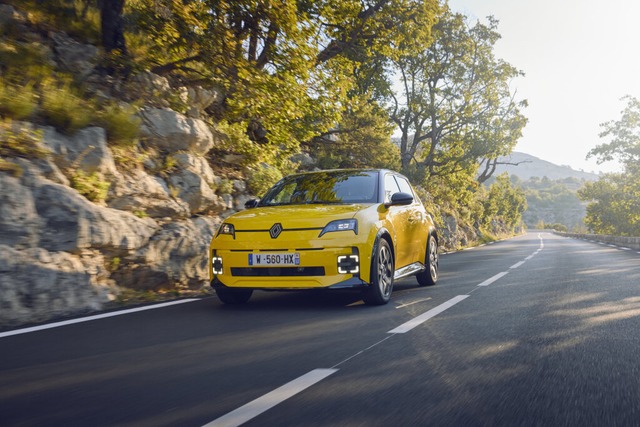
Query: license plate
(275, 259)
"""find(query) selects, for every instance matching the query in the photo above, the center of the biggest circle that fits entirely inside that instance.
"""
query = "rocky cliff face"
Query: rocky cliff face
(62, 254)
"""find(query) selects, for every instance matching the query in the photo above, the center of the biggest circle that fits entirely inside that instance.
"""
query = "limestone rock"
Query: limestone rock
(171, 131)
(74, 57)
(193, 182)
(19, 220)
(37, 285)
(86, 149)
(175, 256)
(138, 191)
(72, 223)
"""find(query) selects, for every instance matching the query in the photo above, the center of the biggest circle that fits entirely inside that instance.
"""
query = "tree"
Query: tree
(455, 99)
(504, 203)
(112, 25)
(614, 200)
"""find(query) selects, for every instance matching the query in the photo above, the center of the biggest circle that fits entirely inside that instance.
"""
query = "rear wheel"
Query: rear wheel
(382, 269)
(233, 296)
(429, 277)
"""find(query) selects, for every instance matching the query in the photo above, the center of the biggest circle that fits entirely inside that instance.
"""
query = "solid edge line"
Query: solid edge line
(416, 321)
(493, 279)
(271, 399)
(96, 317)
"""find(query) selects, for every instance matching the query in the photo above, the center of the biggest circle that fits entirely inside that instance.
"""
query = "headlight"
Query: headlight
(341, 225)
(227, 229)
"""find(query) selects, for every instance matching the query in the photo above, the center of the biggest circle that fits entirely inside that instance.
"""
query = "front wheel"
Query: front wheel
(429, 277)
(382, 269)
(233, 296)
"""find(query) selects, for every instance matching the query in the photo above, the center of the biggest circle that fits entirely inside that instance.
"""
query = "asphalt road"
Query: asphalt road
(536, 330)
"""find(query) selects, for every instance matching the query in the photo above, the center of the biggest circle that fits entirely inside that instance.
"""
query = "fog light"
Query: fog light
(216, 263)
(348, 264)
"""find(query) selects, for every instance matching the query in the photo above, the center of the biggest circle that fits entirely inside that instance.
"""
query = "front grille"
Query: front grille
(277, 271)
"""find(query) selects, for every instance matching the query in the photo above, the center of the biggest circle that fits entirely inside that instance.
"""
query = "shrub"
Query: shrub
(16, 102)
(90, 186)
(121, 123)
(11, 168)
(20, 141)
(64, 109)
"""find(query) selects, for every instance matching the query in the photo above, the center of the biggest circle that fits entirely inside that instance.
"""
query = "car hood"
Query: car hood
(294, 216)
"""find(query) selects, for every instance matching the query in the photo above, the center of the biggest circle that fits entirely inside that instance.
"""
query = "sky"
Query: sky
(580, 57)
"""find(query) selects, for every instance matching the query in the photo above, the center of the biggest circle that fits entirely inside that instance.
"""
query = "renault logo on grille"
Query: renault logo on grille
(275, 230)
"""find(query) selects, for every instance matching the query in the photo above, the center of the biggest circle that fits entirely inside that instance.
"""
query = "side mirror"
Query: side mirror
(251, 203)
(400, 199)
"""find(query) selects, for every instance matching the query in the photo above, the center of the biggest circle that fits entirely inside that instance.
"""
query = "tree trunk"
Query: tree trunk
(112, 25)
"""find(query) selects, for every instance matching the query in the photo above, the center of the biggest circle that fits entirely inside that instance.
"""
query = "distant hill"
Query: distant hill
(530, 166)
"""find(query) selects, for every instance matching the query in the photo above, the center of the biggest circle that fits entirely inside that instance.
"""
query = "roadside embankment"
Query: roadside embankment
(629, 242)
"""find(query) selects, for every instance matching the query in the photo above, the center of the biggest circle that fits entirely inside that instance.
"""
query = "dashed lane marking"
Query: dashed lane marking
(271, 399)
(416, 321)
(493, 279)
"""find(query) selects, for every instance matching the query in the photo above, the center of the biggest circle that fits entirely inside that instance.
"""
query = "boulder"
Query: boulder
(9, 15)
(137, 191)
(196, 192)
(171, 131)
(37, 285)
(77, 58)
(71, 223)
(86, 149)
(193, 181)
(19, 220)
(199, 99)
(176, 256)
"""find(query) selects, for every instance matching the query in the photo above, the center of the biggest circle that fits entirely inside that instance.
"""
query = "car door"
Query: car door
(400, 225)
(416, 228)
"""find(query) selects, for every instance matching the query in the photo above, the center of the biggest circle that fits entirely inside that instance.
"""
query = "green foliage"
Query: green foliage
(16, 102)
(90, 185)
(614, 200)
(361, 140)
(17, 140)
(614, 203)
(504, 203)
(262, 178)
(456, 107)
(224, 187)
(78, 18)
(121, 123)
(624, 134)
(64, 108)
(11, 168)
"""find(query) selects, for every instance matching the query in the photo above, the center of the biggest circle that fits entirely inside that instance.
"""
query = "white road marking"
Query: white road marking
(418, 320)
(625, 249)
(95, 317)
(612, 246)
(493, 279)
(530, 256)
(516, 265)
(271, 399)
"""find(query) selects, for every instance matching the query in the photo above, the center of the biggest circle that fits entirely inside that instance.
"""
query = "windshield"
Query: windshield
(324, 188)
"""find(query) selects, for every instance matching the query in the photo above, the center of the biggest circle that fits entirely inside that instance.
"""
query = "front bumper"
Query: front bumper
(318, 269)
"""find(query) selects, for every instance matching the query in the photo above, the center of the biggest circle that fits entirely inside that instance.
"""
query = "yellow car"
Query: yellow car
(329, 229)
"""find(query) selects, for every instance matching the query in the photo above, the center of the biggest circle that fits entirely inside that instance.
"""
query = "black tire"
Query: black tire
(233, 296)
(429, 277)
(382, 270)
